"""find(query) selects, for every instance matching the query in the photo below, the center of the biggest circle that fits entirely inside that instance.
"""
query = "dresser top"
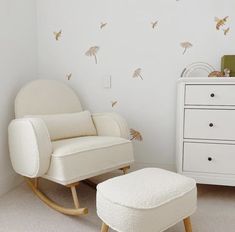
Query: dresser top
(209, 80)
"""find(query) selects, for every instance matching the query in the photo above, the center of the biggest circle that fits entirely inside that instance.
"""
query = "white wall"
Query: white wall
(126, 43)
(17, 66)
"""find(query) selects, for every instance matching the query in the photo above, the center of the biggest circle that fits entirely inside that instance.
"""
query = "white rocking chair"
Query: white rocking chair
(53, 138)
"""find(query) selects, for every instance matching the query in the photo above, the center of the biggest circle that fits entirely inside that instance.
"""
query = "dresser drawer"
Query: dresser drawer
(209, 124)
(210, 158)
(210, 95)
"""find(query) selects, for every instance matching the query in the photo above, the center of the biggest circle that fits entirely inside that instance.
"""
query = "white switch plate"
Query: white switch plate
(107, 82)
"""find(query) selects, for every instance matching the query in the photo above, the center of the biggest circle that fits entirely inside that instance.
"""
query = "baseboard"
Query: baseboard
(9, 182)
(140, 165)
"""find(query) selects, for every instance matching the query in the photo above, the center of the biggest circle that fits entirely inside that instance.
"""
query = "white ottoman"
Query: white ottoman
(148, 200)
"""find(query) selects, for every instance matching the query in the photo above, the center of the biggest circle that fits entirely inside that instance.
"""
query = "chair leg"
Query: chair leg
(125, 169)
(104, 228)
(75, 196)
(36, 180)
(187, 225)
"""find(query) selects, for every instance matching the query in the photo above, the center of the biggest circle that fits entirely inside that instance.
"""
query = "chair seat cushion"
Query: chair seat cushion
(147, 200)
(84, 157)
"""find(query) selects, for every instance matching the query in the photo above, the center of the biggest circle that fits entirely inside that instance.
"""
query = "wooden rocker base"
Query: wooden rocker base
(68, 211)
(94, 185)
(125, 169)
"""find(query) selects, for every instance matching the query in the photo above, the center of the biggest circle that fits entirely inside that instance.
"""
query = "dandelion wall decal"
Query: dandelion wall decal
(185, 45)
(102, 25)
(220, 22)
(137, 73)
(69, 76)
(93, 52)
(114, 103)
(226, 31)
(154, 24)
(57, 35)
(136, 135)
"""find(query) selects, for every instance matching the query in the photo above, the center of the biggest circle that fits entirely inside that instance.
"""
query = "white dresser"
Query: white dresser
(205, 135)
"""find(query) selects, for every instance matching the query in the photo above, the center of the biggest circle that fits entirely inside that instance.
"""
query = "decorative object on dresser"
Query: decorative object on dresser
(228, 62)
(205, 138)
(197, 69)
(216, 74)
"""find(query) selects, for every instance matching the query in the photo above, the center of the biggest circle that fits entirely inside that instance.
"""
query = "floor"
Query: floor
(22, 211)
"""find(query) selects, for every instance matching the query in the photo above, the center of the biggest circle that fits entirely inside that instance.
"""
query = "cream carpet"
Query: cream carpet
(22, 211)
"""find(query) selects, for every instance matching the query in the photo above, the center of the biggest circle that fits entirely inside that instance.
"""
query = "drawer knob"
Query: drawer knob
(209, 159)
(211, 125)
(212, 94)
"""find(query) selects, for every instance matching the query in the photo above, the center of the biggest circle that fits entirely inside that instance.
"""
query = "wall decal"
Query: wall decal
(154, 24)
(136, 135)
(93, 52)
(57, 35)
(114, 103)
(226, 31)
(137, 73)
(102, 25)
(220, 22)
(185, 45)
(68, 76)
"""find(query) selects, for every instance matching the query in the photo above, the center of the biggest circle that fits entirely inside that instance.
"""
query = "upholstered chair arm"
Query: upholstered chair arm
(111, 124)
(30, 146)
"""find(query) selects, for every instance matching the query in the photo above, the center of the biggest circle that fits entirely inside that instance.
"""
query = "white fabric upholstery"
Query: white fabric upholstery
(46, 97)
(81, 158)
(63, 126)
(111, 124)
(33, 152)
(146, 200)
(30, 147)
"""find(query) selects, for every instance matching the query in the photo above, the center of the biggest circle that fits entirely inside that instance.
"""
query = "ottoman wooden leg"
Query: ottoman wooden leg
(104, 228)
(187, 225)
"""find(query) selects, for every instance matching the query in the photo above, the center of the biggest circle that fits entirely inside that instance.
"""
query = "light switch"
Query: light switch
(107, 82)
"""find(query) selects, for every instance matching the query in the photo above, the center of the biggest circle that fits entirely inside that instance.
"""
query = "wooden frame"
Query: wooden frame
(125, 169)
(104, 227)
(77, 211)
(187, 225)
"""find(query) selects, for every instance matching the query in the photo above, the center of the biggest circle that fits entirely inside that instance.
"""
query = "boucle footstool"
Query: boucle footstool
(148, 200)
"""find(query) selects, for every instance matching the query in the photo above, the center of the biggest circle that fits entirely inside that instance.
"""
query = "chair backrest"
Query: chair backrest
(42, 97)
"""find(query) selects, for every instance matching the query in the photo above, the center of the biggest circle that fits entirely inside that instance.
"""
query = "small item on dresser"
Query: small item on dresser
(228, 62)
(216, 74)
(197, 69)
(227, 72)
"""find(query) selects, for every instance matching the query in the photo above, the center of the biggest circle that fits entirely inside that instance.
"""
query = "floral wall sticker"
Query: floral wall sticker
(137, 73)
(57, 35)
(69, 76)
(136, 135)
(186, 46)
(221, 24)
(92, 51)
(154, 24)
(114, 103)
(102, 25)
(226, 30)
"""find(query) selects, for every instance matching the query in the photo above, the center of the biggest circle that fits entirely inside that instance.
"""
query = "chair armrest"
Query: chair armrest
(111, 124)
(30, 146)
